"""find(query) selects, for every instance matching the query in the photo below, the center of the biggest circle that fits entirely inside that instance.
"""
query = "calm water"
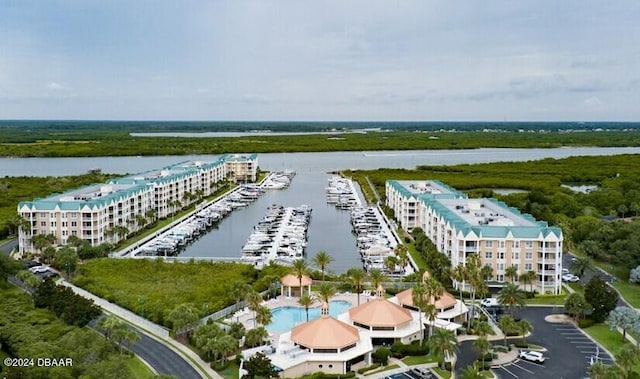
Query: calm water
(300, 162)
(329, 230)
(285, 318)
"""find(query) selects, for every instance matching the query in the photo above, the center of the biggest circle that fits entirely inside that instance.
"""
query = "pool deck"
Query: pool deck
(245, 316)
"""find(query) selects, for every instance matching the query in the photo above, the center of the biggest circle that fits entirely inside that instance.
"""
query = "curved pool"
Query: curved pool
(285, 318)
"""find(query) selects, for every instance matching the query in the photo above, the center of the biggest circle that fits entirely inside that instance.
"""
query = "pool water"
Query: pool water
(285, 318)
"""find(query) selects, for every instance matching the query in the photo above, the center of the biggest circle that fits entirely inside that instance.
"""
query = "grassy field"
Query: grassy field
(442, 373)
(382, 369)
(547, 300)
(154, 287)
(611, 340)
(418, 360)
(138, 370)
(629, 291)
(231, 372)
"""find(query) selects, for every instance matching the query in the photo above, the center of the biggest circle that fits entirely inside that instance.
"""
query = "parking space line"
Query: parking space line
(522, 368)
(509, 372)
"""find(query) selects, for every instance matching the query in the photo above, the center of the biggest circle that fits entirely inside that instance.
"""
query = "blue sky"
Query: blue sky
(320, 60)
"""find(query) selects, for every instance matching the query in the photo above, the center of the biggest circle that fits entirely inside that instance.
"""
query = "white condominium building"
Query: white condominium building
(499, 234)
(100, 213)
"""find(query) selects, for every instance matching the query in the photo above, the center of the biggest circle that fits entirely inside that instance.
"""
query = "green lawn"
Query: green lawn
(231, 372)
(442, 373)
(422, 265)
(381, 369)
(629, 291)
(547, 300)
(579, 288)
(418, 360)
(138, 370)
(611, 340)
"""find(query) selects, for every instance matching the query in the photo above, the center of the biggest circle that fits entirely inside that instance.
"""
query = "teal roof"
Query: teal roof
(458, 223)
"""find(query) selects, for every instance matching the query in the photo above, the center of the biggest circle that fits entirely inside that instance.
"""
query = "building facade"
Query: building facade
(110, 211)
(500, 235)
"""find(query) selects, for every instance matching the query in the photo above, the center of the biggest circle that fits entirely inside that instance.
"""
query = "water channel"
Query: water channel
(329, 229)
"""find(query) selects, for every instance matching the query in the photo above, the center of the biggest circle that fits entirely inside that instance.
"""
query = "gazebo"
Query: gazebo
(291, 283)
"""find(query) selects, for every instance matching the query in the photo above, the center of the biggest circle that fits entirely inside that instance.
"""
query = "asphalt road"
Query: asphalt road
(588, 274)
(163, 359)
(8, 246)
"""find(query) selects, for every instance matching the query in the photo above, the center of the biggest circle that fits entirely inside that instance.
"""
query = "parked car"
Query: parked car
(30, 264)
(489, 302)
(39, 269)
(570, 278)
(565, 271)
(533, 356)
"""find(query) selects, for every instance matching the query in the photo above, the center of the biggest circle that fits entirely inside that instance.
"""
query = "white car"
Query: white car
(533, 356)
(39, 269)
(489, 302)
(570, 278)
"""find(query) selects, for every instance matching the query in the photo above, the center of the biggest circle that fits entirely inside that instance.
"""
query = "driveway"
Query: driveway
(568, 355)
(588, 274)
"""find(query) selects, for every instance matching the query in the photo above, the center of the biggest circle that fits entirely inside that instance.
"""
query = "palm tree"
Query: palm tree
(183, 317)
(433, 289)
(483, 328)
(527, 278)
(300, 269)
(459, 274)
(512, 273)
(525, 327)
(306, 302)
(580, 264)
(470, 372)
(326, 292)
(390, 262)
(444, 345)
(356, 278)
(377, 277)
(597, 370)
(42, 241)
(511, 296)
(254, 302)
(627, 358)
(28, 278)
(263, 315)
(486, 272)
(226, 345)
(419, 299)
(402, 253)
(238, 291)
(483, 345)
(474, 277)
(322, 260)
(506, 324)
(431, 313)
(108, 324)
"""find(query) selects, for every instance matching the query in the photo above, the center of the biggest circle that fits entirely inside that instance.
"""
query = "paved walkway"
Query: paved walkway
(155, 331)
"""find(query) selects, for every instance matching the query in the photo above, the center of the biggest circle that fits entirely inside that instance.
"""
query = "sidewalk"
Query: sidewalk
(153, 330)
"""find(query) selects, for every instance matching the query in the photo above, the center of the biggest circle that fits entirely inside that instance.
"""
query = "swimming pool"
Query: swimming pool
(285, 318)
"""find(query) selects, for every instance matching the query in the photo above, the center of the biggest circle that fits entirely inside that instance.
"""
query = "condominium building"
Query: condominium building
(499, 234)
(106, 212)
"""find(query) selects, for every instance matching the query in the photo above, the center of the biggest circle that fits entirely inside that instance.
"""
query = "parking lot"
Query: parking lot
(419, 373)
(569, 352)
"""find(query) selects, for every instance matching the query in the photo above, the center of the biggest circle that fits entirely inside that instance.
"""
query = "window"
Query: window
(516, 244)
(488, 243)
(488, 255)
(73, 215)
(74, 223)
(500, 266)
(501, 255)
(528, 255)
(515, 255)
(43, 223)
(43, 214)
(527, 266)
(502, 244)
(528, 244)
(500, 278)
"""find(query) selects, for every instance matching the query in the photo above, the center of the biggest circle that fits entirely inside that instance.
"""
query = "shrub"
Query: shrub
(585, 323)
(220, 365)
(521, 344)
(447, 366)
(415, 349)
(368, 368)
(501, 348)
(381, 356)
(488, 356)
(398, 350)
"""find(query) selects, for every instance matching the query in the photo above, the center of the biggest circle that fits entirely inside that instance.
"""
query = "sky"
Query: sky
(343, 60)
